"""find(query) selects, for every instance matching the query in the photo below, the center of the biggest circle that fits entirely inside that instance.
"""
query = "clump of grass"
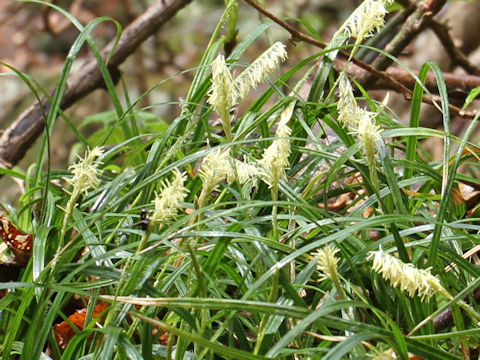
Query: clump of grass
(236, 259)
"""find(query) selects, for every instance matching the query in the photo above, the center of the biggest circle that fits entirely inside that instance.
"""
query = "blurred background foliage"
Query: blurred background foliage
(36, 39)
(37, 42)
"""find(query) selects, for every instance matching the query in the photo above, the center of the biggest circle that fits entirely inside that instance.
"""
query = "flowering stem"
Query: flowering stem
(84, 178)
(274, 193)
(263, 323)
(227, 128)
(414, 281)
(372, 169)
(201, 285)
(336, 282)
(72, 203)
(201, 203)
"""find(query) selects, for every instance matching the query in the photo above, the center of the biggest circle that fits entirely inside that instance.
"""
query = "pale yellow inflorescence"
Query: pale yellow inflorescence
(260, 68)
(275, 158)
(406, 277)
(219, 165)
(327, 262)
(226, 92)
(245, 172)
(170, 199)
(85, 172)
(223, 94)
(366, 130)
(347, 105)
(366, 18)
(85, 177)
(361, 122)
(216, 167)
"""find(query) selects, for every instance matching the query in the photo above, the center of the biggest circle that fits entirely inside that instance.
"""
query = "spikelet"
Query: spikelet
(327, 262)
(170, 198)
(260, 68)
(85, 172)
(223, 94)
(215, 168)
(85, 177)
(246, 172)
(347, 105)
(408, 278)
(275, 158)
(365, 19)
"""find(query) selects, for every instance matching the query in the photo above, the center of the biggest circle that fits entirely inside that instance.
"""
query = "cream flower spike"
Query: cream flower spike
(246, 172)
(327, 262)
(260, 68)
(369, 133)
(85, 172)
(366, 130)
(275, 158)
(406, 276)
(223, 94)
(366, 18)
(347, 105)
(169, 201)
(85, 177)
(215, 168)
(361, 122)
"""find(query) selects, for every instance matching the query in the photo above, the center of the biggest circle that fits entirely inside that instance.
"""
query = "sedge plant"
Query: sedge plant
(308, 224)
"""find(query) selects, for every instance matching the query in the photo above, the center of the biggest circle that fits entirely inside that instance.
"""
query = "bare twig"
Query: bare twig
(456, 55)
(458, 85)
(297, 35)
(59, 27)
(22, 133)
(414, 25)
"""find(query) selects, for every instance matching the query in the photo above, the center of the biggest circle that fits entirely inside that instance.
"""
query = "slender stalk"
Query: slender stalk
(274, 193)
(263, 323)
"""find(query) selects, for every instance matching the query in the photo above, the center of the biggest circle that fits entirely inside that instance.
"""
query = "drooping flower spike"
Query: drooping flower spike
(260, 69)
(406, 277)
(226, 92)
(365, 19)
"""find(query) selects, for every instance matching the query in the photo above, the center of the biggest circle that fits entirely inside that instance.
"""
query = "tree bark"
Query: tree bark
(23, 132)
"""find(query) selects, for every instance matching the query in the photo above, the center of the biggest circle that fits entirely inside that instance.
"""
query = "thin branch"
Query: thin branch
(23, 132)
(457, 57)
(413, 26)
(380, 75)
(297, 35)
(458, 85)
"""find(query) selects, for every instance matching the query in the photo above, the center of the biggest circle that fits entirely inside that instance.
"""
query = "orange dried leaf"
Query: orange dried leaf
(64, 332)
(457, 197)
(19, 243)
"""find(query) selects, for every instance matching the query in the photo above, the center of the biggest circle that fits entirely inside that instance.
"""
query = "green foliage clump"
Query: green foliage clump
(253, 239)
